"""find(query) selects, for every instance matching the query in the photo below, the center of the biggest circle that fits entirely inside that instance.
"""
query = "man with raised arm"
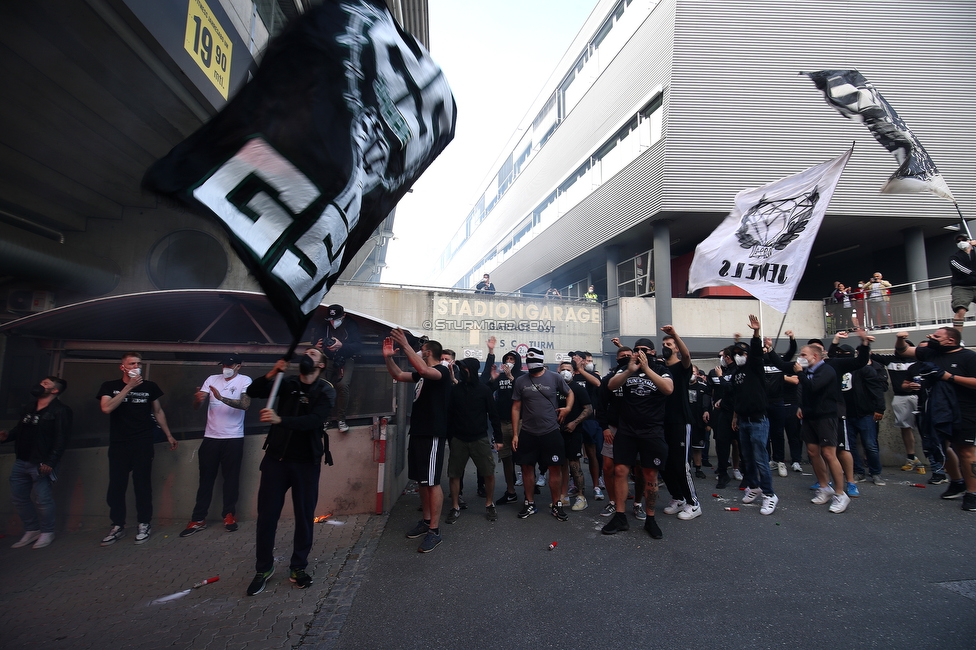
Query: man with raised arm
(428, 428)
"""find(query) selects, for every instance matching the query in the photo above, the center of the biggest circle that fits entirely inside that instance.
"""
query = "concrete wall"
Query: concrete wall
(348, 487)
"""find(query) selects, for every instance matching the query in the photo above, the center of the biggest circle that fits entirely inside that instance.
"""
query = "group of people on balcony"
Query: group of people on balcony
(867, 305)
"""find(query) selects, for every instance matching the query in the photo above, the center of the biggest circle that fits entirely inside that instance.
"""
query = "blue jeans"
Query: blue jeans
(756, 434)
(866, 429)
(25, 477)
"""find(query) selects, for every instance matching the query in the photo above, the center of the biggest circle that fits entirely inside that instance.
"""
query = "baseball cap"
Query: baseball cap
(230, 360)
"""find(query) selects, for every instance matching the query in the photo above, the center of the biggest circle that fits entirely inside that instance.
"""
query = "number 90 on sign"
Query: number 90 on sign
(208, 45)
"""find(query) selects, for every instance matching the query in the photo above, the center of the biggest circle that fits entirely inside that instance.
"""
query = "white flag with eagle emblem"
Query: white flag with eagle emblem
(763, 245)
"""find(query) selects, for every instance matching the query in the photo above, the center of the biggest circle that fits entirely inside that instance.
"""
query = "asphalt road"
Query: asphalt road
(894, 571)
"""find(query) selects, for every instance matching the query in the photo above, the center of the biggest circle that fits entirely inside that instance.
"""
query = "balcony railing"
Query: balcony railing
(910, 305)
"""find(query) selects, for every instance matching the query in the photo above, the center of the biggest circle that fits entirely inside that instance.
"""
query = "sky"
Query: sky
(497, 56)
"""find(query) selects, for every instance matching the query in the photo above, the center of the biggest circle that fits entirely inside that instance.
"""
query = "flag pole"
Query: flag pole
(962, 220)
(277, 380)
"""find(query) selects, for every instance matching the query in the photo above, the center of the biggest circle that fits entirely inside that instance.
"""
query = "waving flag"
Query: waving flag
(763, 245)
(343, 115)
(856, 98)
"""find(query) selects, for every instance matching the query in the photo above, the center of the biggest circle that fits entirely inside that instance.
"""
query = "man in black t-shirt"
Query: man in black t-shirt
(645, 386)
(955, 409)
(677, 429)
(502, 385)
(132, 405)
(428, 428)
(572, 430)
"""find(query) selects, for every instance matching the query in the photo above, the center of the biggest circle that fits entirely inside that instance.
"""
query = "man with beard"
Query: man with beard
(40, 437)
(294, 449)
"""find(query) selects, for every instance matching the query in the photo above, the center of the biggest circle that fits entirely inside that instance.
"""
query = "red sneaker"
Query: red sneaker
(193, 527)
(230, 522)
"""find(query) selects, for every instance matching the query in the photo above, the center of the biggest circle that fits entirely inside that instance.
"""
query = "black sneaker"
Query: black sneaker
(260, 582)
(528, 509)
(490, 513)
(616, 524)
(723, 481)
(431, 541)
(419, 530)
(557, 511)
(955, 490)
(301, 579)
(508, 497)
(969, 502)
(453, 515)
(652, 528)
(699, 473)
(938, 478)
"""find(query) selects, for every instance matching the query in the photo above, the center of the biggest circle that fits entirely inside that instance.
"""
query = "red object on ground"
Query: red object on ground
(733, 509)
(553, 545)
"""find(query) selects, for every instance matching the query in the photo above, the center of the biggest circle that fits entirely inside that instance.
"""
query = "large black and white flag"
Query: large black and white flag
(343, 115)
(763, 245)
(856, 98)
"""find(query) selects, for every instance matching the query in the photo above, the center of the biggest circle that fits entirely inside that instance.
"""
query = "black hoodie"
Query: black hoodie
(502, 386)
(471, 407)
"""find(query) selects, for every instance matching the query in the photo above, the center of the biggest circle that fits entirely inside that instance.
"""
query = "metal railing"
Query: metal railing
(913, 304)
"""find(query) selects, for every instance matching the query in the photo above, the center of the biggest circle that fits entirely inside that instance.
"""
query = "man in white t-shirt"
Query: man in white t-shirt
(223, 443)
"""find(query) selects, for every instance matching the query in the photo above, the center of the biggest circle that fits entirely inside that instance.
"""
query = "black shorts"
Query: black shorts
(573, 443)
(843, 442)
(699, 436)
(819, 432)
(547, 450)
(425, 459)
(652, 451)
(963, 433)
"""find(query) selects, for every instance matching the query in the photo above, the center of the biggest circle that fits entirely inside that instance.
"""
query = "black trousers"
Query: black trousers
(224, 454)
(677, 473)
(277, 477)
(133, 457)
(722, 430)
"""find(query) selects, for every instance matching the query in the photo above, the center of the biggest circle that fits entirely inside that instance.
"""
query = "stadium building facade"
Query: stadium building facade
(661, 111)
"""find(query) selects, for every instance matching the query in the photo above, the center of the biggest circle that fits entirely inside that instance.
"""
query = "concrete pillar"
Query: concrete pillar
(915, 256)
(613, 258)
(662, 273)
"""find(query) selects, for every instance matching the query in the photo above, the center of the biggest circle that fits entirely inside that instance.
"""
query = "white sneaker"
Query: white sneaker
(737, 474)
(823, 496)
(676, 506)
(343, 427)
(29, 537)
(689, 512)
(602, 484)
(841, 501)
(142, 535)
(796, 467)
(580, 503)
(44, 540)
(541, 481)
(769, 503)
(518, 479)
(751, 495)
(772, 465)
(598, 494)
(781, 467)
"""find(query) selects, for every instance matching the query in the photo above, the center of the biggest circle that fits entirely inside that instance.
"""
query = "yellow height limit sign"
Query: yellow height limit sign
(207, 43)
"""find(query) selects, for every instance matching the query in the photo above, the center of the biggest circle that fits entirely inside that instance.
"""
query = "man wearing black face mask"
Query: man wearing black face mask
(294, 449)
(341, 344)
(955, 368)
(677, 429)
(41, 436)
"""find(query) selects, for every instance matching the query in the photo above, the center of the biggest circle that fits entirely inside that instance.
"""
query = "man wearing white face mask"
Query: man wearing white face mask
(963, 266)
(132, 405)
(223, 442)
